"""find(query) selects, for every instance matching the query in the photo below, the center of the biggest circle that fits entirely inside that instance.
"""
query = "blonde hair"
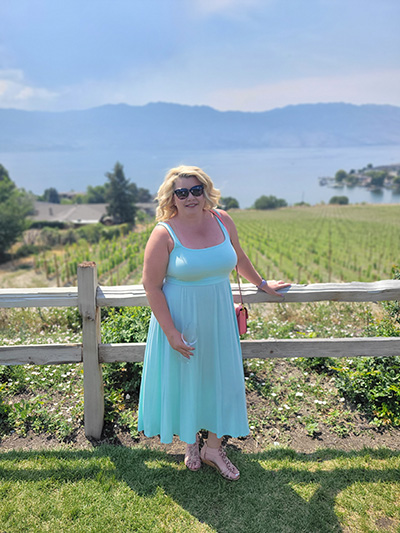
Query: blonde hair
(166, 208)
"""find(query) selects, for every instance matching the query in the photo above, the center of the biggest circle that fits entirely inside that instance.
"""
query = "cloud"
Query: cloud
(377, 87)
(209, 7)
(16, 93)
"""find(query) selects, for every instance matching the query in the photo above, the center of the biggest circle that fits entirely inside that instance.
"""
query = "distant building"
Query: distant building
(77, 214)
(70, 195)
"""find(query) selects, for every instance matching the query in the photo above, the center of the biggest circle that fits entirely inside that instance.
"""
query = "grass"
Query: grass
(121, 489)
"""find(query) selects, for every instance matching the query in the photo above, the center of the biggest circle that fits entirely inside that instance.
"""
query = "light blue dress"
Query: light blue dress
(180, 397)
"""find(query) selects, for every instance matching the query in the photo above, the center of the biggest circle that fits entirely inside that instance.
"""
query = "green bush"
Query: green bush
(340, 200)
(5, 413)
(373, 383)
(127, 324)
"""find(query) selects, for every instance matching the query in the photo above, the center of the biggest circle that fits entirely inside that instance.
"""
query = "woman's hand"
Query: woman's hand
(272, 286)
(176, 342)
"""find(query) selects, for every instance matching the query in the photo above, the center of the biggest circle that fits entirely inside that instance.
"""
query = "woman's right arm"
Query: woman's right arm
(156, 257)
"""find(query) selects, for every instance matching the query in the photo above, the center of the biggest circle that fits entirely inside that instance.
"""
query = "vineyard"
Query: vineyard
(322, 243)
(303, 244)
(119, 260)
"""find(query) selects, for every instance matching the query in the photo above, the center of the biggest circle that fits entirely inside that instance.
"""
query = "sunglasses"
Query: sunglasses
(197, 190)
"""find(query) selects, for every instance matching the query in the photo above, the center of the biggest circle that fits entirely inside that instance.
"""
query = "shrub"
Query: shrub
(340, 200)
(373, 383)
(128, 324)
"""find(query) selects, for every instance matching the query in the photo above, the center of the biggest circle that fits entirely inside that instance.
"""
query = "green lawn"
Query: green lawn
(134, 489)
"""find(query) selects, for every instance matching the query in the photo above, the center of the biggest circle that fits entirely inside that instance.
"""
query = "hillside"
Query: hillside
(167, 126)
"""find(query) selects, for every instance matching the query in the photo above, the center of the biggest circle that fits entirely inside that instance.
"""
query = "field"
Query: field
(320, 456)
(302, 244)
(322, 243)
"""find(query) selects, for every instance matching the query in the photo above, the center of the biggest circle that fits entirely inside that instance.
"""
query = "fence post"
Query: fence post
(92, 374)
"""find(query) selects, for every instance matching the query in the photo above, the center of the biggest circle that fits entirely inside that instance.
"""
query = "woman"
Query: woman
(193, 372)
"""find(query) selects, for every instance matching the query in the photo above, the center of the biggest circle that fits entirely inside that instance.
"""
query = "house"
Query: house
(80, 214)
(76, 214)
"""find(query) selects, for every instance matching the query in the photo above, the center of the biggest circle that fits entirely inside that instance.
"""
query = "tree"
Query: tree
(50, 195)
(351, 180)
(229, 203)
(144, 196)
(97, 194)
(340, 176)
(396, 183)
(6, 185)
(341, 200)
(120, 196)
(377, 177)
(15, 206)
(269, 202)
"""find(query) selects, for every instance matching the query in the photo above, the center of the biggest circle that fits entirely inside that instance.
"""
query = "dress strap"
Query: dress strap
(170, 231)
(221, 223)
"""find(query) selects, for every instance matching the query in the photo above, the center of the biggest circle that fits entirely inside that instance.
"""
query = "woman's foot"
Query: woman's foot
(216, 457)
(192, 456)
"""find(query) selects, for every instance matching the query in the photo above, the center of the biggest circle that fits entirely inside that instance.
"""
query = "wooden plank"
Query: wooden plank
(134, 295)
(384, 290)
(345, 347)
(117, 353)
(277, 348)
(129, 295)
(40, 297)
(41, 354)
(355, 291)
(92, 375)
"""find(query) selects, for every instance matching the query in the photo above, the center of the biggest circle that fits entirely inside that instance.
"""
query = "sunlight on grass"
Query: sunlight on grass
(305, 490)
(120, 489)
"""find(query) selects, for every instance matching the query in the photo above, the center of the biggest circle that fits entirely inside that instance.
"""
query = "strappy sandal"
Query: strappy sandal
(216, 457)
(192, 456)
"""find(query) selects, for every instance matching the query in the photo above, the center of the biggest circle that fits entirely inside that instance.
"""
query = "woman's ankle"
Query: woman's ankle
(213, 441)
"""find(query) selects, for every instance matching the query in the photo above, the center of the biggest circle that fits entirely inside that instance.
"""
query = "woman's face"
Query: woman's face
(191, 204)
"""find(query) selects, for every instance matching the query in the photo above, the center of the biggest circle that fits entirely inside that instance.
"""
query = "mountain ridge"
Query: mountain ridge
(162, 125)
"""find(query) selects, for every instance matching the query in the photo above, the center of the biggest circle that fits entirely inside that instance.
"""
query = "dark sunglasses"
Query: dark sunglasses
(197, 190)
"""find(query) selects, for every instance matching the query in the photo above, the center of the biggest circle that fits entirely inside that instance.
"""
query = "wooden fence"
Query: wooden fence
(90, 297)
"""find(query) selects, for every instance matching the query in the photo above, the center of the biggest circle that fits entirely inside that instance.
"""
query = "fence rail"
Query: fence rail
(90, 297)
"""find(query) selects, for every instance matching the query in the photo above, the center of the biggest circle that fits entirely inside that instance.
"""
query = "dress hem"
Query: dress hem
(231, 436)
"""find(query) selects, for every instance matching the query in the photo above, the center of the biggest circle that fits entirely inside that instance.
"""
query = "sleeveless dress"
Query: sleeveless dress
(180, 396)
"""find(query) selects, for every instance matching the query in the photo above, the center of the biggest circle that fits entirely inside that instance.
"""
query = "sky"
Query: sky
(248, 55)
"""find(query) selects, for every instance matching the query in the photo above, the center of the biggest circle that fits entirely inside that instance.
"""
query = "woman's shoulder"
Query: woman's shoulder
(224, 216)
(161, 234)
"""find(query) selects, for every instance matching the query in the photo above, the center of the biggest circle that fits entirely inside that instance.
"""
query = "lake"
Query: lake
(291, 174)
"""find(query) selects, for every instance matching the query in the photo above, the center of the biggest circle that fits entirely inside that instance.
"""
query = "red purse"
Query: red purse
(241, 311)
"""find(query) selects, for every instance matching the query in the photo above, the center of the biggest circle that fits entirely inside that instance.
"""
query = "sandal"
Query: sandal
(216, 457)
(192, 456)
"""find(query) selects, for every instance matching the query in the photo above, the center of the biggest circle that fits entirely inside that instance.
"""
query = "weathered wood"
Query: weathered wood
(117, 353)
(48, 354)
(134, 295)
(355, 291)
(277, 348)
(123, 295)
(41, 354)
(346, 347)
(92, 374)
(43, 297)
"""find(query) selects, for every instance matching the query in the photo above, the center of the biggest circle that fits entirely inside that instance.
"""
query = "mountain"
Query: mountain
(169, 126)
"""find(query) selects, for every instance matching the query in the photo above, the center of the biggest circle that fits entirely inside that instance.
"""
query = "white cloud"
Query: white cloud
(377, 87)
(16, 93)
(209, 7)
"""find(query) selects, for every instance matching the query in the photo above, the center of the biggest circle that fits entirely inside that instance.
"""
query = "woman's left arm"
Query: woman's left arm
(245, 266)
